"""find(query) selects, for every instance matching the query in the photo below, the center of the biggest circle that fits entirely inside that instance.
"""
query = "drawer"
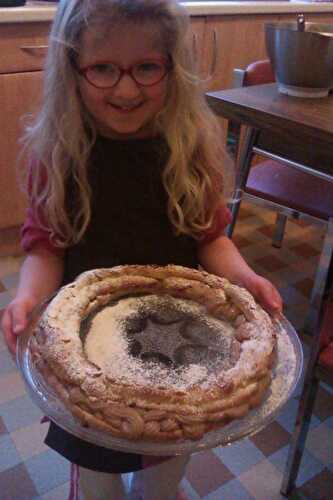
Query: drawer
(23, 46)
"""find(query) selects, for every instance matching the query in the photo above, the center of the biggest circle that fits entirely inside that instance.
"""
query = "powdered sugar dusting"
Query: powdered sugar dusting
(284, 373)
(108, 346)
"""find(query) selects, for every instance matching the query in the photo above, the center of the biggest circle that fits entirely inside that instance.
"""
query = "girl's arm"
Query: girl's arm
(40, 276)
(222, 258)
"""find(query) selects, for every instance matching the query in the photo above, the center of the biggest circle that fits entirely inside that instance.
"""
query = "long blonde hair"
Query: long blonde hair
(63, 134)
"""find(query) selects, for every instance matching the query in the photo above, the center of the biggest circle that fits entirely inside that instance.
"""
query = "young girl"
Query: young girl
(127, 169)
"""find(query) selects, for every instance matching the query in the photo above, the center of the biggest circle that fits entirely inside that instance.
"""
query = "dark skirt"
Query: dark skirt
(90, 456)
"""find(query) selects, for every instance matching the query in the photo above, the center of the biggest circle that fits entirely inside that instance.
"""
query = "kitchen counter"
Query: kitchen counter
(44, 11)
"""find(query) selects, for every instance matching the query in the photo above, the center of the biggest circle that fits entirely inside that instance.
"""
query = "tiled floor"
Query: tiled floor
(249, 469)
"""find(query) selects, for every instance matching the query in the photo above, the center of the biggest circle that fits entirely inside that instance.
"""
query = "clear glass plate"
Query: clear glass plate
(286, 374)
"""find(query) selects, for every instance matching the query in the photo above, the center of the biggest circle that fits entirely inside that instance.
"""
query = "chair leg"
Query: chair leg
(234, 208)
(280, 225)
(320, 281)
(298, 438)
(243, 166)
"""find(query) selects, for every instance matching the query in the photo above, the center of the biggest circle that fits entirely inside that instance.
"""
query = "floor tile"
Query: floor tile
(292, 296)
(304, 250)
(231, 490)
(271, 263)
(189, 490)
(323, 404)
(241, 241)
(319, 487)
(8, 453)
(16, 484)
(271, 438)
(202, 482)
(239, 456)
(246, 211)
(329, 422)
(288, 416)
(3, 428)
(262, 490)
(309, 468)
(7, 364)
(320, 441)
(20, 412)
(11, 387)
(59, 493)
(267, 230)
(48, 470)
(29, 441)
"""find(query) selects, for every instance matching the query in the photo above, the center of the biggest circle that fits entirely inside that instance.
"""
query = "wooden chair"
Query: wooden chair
(319, 368)
(282, 185)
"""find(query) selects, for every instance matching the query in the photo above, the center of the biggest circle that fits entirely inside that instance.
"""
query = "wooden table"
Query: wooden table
(302, 127)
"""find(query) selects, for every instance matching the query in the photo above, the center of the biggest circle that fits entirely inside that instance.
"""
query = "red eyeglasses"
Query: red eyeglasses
(104, 75)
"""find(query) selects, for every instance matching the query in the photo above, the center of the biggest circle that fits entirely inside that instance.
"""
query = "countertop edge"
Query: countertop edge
(41, 13)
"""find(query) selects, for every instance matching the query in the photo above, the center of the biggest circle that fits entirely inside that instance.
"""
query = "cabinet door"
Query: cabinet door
(19, 96)
(196, 36)
(233, 42)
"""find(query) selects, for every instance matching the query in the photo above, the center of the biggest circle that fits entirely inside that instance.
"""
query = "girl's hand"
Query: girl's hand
(15, 320)
(265, 293)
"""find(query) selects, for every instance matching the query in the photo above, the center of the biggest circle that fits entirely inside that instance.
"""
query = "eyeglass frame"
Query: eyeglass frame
(125, 71)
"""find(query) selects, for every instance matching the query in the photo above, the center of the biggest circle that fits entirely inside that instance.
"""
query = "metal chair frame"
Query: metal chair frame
(313, 375)
(243, 164)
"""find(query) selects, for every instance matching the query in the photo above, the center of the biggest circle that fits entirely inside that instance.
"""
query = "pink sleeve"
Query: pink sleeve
(32, 234)
(221, 219)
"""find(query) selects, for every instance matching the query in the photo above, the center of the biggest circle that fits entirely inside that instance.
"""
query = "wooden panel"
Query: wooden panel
(23, 47)
(196, 40)
(19, 95)
(240, 41)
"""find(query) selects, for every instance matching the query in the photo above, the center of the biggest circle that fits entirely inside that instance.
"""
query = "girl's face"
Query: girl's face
(127, 109)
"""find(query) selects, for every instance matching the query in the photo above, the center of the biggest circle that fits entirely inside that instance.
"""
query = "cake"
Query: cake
(155, 353)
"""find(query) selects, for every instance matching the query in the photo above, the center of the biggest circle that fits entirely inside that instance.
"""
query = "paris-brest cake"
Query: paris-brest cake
(155, 353)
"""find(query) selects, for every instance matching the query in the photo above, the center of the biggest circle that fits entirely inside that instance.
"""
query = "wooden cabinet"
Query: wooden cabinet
(22, 54)
(196, 36)
(234, 41)
(19, 95)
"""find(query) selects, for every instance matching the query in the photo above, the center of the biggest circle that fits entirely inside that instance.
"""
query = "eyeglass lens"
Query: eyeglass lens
(108, 74)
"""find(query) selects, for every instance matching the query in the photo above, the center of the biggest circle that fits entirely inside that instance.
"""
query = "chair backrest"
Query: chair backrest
(259, 73)
(256, 73)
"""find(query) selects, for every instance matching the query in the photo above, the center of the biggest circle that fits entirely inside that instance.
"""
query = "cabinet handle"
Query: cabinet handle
(214, 57)
(194, 47)
(195, 50)
(33, 48)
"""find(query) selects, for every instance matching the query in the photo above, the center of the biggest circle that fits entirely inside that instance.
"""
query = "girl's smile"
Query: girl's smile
(127, 109)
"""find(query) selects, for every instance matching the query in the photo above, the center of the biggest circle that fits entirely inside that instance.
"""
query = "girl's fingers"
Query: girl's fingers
(268, 296)
(19, 318)
(272, 299)
(14, 322)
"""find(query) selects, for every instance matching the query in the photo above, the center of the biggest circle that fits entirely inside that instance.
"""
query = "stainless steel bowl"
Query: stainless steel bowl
(302, 57)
